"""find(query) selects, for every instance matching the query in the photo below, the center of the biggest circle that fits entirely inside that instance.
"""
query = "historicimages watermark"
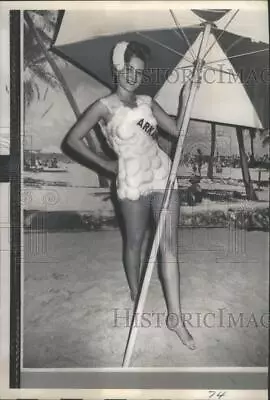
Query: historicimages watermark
(221, 318)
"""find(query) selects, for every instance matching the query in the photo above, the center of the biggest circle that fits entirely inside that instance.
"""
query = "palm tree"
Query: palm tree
(265, 135)
(40, 56)
(252, 134)
(38, 59)
(35, 63)
(250, 192)
(212, 152)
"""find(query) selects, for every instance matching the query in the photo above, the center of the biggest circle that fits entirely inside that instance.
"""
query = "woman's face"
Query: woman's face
(131, 77)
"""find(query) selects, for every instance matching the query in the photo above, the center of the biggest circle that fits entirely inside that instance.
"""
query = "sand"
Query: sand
(76, 302)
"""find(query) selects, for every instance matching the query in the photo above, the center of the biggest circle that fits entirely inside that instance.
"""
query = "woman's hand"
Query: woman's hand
(111, 166)
(184, 93)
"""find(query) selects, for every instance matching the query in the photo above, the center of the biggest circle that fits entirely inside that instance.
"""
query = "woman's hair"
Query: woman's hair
(139, 50)
(134, 49)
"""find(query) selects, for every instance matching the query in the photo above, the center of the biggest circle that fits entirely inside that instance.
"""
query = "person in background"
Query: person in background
(194, 192)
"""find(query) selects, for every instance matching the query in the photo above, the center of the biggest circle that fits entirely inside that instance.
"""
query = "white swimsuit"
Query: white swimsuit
(143, 166)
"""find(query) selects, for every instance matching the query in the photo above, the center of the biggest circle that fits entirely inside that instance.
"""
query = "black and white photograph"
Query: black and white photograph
(144, 197)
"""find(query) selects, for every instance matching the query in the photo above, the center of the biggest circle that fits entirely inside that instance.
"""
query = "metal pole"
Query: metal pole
(138, 309)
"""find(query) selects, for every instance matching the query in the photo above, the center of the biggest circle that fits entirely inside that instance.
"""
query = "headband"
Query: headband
(118, 55)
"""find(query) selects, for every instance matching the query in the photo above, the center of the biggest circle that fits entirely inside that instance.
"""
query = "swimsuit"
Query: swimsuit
(143, 166)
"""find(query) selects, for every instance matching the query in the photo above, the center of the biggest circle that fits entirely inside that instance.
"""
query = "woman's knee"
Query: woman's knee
(168, 245)
(169, 266)
(134, 241)
(168, 255)
(169, 237)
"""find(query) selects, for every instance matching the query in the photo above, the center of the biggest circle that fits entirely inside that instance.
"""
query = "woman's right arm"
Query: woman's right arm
(74, 138)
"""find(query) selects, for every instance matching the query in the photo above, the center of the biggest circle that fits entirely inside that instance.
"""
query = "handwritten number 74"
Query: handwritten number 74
(216, 395)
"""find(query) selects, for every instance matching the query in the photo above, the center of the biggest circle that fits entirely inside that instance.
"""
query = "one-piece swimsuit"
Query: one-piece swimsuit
(143, 167)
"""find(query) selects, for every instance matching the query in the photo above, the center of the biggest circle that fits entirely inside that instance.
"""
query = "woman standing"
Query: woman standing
(129, 123)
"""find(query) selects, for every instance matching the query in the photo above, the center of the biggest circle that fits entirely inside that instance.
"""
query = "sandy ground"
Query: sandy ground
(76, 302)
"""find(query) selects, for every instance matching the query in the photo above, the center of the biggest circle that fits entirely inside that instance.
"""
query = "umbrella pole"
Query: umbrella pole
(139, 306)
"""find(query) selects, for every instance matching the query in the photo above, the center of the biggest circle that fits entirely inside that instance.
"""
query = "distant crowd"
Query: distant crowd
(37, 163)
(198, 160)
(195, 161)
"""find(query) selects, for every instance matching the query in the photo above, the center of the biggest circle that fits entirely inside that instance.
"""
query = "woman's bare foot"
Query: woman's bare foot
(133, 295)
(175, 324)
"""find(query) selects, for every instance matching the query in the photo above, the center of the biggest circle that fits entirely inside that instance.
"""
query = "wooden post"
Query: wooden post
(252, 133)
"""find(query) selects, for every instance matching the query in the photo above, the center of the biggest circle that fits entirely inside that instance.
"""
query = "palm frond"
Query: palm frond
(265, 136)
(31, 48)
(45, 93)
(41, 60)
(46, 112)
(30, 57)
(43, 35)
(40, 72)
(29, 39)
(47, 18)
(46, 14)
(29, 93)
(266, 141)
(35, 85)
(35, 56)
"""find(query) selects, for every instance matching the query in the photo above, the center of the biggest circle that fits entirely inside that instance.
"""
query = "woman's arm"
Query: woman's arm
(166, 122)
(74, 138)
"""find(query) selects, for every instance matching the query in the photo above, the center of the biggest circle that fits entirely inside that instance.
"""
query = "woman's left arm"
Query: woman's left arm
(167, 123)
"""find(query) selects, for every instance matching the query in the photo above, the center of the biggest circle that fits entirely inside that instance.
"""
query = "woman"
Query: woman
(129, 123)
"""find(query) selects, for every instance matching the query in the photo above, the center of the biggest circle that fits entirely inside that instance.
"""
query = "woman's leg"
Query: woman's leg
(169, 271)
(136, 217)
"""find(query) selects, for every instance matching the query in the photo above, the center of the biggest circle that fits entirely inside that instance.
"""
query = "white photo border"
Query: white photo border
(133, 383)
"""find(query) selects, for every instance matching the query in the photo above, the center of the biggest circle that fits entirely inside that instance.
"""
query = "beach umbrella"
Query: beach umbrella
(236, 59)
(184, 45)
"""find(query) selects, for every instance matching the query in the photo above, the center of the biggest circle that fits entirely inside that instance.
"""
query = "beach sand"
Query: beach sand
(77, 308)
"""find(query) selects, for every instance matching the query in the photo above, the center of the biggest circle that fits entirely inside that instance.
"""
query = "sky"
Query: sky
(48, 120)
